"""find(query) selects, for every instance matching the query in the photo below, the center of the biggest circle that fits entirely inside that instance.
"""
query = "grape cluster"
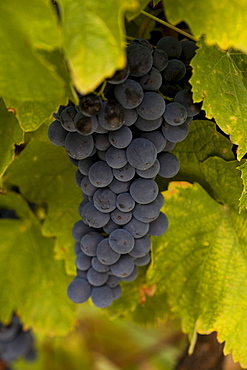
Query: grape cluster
(15, 342)
(120, 145)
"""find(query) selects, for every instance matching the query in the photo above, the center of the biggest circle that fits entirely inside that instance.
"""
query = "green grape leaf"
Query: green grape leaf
(33, 113)
(155, 2)
(224, 179)
(34, 79)
(44, 174)
(243, 198)
(93, 39)
(33, 284)
(219, 78)
(24, 76)
(136, 28)
(200, 263)
(10, 134)
(203, 141)
(130, 15)
(223, 24)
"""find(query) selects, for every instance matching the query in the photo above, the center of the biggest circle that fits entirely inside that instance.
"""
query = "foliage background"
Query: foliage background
(198, 272)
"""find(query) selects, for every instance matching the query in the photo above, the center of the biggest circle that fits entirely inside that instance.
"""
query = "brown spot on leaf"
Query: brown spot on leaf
(147, 290)
(12, 110)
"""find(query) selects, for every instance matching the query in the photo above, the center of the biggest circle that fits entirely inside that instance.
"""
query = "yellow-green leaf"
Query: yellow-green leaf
(219, 78)
(33, 283)
(93, 38)
(223, 23)
(200, 263)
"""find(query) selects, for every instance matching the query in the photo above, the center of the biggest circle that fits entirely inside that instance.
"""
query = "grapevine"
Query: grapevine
(123, 184)
(120, 145)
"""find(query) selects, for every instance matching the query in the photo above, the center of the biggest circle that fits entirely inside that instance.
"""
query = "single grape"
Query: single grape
(102, 296)
(77, 248)
(139, 55)
(87, 187)
(148, 125)
(79, 146)
(159, 226)
(121, 241)
(96, 278)
(152, 106)
(141, 248)
(188, 51)
(124, 173)
(123, 267)
(78, 178)
(110, 226)
(170, 45)
(175, 133)
(160, 200)
(120, 218)
(169, 165)
(113, 281)
(129, 94)
(152, 80)
(160, 59)
(169, 146)
(141, 153)
(98, 266)
(136, 228)
(119, 186)
(73, 161)
(95, 218)
(90, 104)
(144, 191)
(84, 165)
(104, 200)
(106, 254)
(175, 114)
(89, 243)
(81, 274)
(143, 261)
(101, 142)
(119, 76)
(184, 97)
(67, 118)
(151, 172)
(102, 155)
(121, 138)
(130, 116)
(79, 290)
(146, 212)
(83, 262)
(100, 174)
(79, 230)
(111, 115)
(85, 125)
(57, 134)
(175, 71)
(132, 276)
(125, 202)
(156, 138)
(116, 158)
(116, 292)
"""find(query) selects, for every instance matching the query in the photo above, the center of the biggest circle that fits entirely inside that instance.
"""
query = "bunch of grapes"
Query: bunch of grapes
(120, 144)
(15, 342)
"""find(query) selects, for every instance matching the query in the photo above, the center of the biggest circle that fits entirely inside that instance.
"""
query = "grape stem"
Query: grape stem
(101, 92)
(169, 25)
(165, 97)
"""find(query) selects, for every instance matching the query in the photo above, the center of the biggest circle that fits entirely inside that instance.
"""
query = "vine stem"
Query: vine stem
(101, 92)
(169, 25)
